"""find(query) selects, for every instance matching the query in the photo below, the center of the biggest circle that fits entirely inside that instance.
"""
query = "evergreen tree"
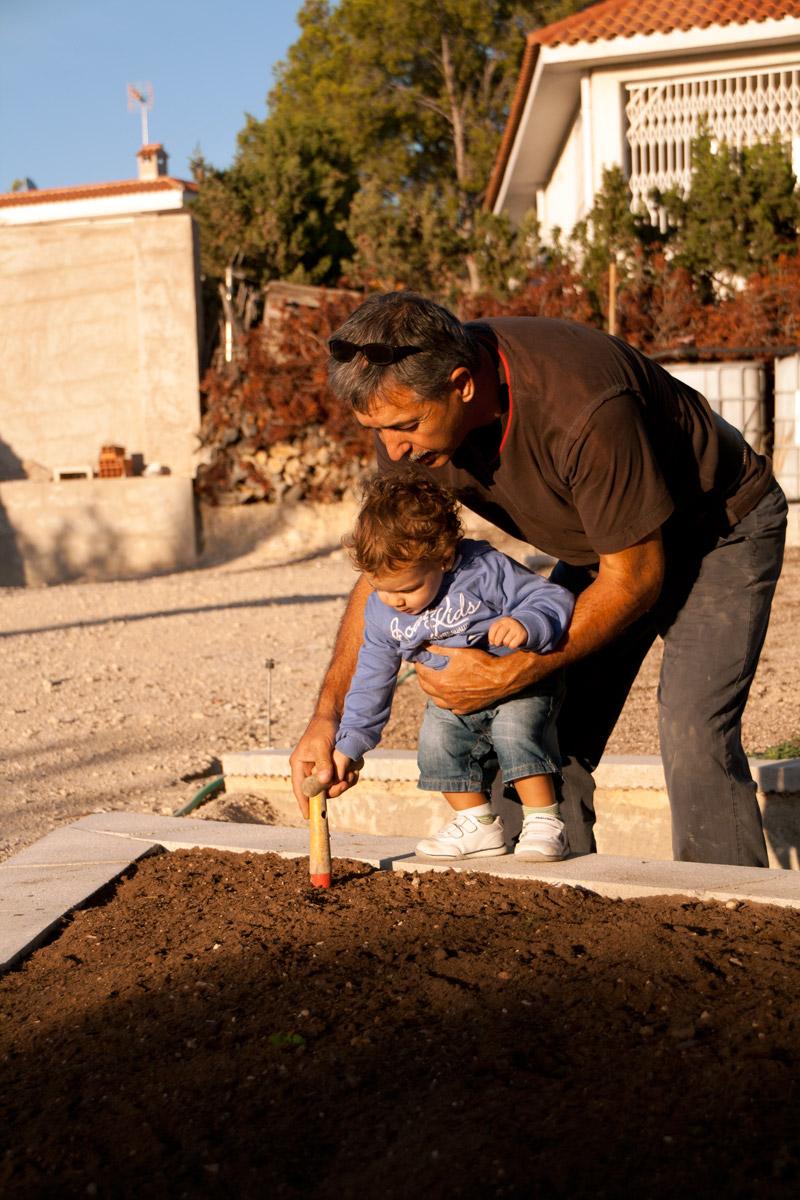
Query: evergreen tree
(382, 129)
(611, 232)
(741, 211)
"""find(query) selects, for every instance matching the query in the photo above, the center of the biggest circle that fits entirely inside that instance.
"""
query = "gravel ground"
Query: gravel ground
(124, 695)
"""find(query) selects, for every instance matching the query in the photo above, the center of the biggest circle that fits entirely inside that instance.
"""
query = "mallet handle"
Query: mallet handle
(319, 863)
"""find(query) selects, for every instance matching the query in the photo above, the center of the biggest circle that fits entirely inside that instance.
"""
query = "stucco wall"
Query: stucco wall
(99, 338)
(562, 199)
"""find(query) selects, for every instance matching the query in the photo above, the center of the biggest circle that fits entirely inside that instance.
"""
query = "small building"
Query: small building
(627, 83)
(99, 323)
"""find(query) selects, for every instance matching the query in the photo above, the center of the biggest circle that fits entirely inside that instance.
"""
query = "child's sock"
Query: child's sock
(480, 812)
(550, 810)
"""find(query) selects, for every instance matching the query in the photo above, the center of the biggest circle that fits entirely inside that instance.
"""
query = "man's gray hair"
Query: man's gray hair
(440, 345)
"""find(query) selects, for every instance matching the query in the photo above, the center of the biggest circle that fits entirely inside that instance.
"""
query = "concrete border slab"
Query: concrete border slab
(614, 770)
(51, 878)
(623, 771)
(631, 878)
(65, 869)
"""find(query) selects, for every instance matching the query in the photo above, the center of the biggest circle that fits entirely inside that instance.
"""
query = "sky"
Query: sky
(65, 66)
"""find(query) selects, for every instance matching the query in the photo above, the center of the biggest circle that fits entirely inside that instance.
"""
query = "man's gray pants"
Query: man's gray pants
(712, 616)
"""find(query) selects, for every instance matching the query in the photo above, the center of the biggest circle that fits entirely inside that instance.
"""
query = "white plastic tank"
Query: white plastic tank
(786, 451)
(735, 390)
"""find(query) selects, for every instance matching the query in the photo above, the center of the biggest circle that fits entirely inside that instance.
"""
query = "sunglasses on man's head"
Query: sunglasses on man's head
(377, 353)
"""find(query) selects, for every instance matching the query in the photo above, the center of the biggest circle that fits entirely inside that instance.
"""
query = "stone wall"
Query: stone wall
(94, 529)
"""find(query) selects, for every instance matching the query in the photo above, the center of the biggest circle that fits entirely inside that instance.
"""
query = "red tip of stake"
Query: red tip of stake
(320, 880)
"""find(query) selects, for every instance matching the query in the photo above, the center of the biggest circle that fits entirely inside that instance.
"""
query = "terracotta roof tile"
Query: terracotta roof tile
(624, 18)
(91, 191)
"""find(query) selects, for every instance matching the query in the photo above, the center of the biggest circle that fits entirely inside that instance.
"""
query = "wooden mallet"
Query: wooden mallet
(319, 853)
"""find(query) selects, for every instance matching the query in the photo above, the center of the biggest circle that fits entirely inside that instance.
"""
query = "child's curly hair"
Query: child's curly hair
(404, 518)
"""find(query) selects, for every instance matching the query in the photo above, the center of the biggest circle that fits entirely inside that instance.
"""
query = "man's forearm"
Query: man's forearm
(601, 614)
(333, 689)
(627, 585)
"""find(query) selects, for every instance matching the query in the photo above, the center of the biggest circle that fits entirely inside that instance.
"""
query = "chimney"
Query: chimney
(152, 161)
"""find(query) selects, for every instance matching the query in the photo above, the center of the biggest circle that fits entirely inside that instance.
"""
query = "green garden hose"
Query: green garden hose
(207, 792)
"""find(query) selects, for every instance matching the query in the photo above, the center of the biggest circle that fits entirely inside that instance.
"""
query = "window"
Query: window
(740, 109)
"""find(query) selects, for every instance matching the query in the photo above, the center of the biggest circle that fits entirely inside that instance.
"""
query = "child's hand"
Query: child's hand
(507, 632)
(343, 765)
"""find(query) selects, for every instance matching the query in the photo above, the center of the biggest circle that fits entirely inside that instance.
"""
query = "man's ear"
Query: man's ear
(462, 381)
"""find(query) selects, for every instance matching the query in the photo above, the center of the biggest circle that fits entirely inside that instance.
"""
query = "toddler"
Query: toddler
(431, 584)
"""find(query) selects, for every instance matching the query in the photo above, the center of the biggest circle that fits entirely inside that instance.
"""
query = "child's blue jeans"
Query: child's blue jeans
(518, 736)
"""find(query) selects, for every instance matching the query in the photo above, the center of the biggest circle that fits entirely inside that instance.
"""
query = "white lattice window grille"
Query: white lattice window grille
(663, 118)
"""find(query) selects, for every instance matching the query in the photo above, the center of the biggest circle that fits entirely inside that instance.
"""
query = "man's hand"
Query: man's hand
(474, 679)
(507, 631)
(314, 755)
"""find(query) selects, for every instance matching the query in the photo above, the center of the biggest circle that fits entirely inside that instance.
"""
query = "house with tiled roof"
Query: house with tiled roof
(153, 190)
(627, 83)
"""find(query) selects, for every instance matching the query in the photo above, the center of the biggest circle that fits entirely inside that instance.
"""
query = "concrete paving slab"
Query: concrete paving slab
(64, 870)
(70, 846)
(185, 833)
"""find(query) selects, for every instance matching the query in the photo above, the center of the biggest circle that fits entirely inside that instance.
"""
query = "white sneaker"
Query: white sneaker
(542, 839)
(466, 837)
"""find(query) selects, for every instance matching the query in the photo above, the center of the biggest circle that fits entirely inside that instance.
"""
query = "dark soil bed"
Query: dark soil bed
(215, 1027)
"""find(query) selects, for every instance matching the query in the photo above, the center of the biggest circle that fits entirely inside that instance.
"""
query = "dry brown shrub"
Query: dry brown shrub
(554, 292)
(659, 310)
(765, 314)
(657, 306)
(275, 393)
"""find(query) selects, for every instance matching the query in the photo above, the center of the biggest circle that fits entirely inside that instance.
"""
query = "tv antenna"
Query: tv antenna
(140, 95)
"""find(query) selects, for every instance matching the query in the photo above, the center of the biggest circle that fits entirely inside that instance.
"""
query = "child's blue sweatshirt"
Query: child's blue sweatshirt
(481, 586)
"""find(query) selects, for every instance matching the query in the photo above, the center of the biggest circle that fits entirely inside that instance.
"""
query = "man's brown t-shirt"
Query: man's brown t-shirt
(599, 446)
